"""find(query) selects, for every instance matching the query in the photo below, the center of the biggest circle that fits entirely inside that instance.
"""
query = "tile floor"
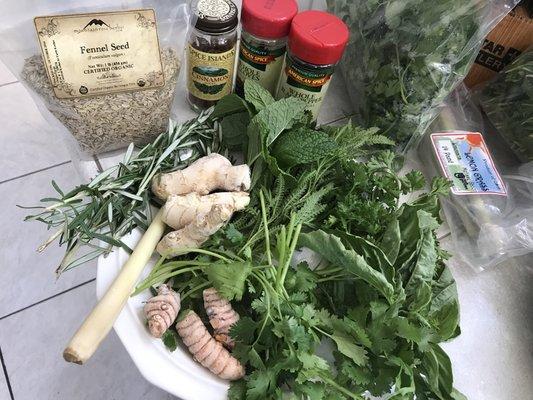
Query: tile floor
(492, 359)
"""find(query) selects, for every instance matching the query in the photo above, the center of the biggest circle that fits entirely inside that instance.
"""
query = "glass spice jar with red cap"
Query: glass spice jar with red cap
(265, 27)
(316, 44)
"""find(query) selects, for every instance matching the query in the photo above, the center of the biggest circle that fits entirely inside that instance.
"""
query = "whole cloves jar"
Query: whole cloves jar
(265, 27)
(316, 44)
(211, 52)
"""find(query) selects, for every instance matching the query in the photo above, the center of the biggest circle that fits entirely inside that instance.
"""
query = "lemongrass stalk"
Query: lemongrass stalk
(100, 321)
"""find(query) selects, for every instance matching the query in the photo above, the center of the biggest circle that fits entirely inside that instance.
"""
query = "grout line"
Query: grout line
(48, 298)
(6, 375)
(35, 172)
(7, 83)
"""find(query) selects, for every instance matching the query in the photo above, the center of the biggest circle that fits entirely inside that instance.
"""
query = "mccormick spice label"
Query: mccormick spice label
(100, 53)
(259, 64)
(465, 160)
(210, 74)
(311, 87)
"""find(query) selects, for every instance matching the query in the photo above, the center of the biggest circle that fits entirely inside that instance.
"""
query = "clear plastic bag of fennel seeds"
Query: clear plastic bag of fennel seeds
(405, 56)
(103, 72)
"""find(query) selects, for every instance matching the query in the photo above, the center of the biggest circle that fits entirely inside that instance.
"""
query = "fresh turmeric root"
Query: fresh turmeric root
(161, 311)
(221, 316)
(206, 350)
(199, 217)
(207, 174)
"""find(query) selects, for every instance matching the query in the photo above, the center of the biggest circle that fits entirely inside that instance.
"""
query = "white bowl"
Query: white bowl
(176, 372)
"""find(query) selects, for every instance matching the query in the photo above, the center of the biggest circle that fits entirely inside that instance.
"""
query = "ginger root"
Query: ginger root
(161, 311)
(207, 174)
(180, 211)
(221, 316)
(197, 218)
(206, 350)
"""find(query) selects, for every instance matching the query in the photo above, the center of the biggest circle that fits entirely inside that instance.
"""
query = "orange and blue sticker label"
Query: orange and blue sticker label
(466, 161)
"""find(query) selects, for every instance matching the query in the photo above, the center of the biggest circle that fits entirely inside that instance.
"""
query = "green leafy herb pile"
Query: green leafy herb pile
(370, 315)
(508, 102)
(406, 56)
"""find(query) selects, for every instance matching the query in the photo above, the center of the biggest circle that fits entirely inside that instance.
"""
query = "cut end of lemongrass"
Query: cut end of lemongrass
(70, 355)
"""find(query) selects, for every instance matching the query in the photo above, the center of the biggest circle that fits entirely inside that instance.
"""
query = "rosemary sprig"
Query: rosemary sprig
(95, 216)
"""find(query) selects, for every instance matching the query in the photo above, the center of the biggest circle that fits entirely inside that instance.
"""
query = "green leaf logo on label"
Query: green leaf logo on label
(207, 89)
(210, 71)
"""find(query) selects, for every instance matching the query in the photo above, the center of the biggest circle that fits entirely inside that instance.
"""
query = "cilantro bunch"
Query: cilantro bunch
(406, 56)
(369, 317)
(508, 102)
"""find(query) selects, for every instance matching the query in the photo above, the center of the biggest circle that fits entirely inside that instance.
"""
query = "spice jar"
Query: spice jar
(265, 27)
(316, 44)
(211, 52)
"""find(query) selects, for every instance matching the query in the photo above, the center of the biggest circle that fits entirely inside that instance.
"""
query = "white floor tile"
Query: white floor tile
(337, 104)
(28, 141)
(4, 391)
(26, 276)
(492, 358)
(5, 75)
(34, 341)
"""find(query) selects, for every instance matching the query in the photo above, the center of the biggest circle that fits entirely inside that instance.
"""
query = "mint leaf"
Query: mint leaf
(279, 116)
(258, 96)
(228, 105)
(234, 130)
(302, 146)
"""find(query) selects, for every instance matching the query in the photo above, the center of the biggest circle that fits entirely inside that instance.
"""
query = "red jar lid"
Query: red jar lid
(269, 19)
(318, 37)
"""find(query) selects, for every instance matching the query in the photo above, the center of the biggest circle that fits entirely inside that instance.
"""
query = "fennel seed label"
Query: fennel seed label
(100, 53)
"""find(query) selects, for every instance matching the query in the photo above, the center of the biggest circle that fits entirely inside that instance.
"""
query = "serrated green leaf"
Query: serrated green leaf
(258, 96)
(229, 278)
(302, 146)
(333, 250)
(347, 346)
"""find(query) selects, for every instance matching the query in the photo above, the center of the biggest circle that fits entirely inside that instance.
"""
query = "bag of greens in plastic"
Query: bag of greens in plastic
(103, 73)
(508, 102)
(406, 56)
(490, 207)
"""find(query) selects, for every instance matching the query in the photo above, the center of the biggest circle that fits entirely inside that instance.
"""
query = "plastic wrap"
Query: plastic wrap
(508, 102)
(87, 123)
(486, 229)
(406, 56)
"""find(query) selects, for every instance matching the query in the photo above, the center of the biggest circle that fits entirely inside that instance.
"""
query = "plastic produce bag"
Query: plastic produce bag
(109, 71)
(490, 209)
(508, 102)
(406, 56)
